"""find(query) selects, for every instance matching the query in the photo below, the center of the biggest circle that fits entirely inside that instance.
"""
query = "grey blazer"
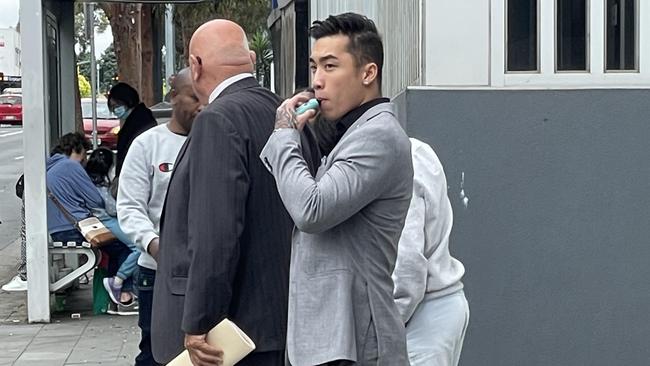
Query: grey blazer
(348, 221)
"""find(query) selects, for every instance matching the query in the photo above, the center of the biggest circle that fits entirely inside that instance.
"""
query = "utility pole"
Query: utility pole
(170, 47)
(90, 33)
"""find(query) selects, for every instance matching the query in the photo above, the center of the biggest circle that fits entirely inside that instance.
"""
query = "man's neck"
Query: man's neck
(176, 127)
(370, 96)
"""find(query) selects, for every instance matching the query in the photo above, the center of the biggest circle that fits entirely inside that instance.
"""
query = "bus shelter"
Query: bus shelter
(48, 67)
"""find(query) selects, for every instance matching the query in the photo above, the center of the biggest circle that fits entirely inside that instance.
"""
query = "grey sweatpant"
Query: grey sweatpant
(435, 332)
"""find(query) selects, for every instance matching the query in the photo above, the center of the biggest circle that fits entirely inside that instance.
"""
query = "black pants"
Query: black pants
(272, 358)
(145, 279)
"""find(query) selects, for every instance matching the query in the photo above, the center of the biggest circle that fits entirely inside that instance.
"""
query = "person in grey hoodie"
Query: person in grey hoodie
(428, 291)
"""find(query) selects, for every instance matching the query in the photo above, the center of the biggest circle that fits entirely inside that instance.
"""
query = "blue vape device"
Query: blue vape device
(310, 104)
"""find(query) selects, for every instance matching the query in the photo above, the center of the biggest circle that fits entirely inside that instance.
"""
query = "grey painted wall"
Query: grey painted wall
(556, 235)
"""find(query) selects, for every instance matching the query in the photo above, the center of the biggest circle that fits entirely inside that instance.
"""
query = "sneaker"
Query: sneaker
(128, 309)
(16, 284)
(113, 291)
(112, 308)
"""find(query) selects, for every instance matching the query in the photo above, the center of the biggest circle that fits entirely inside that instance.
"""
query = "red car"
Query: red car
(11, 109)
(107, 124)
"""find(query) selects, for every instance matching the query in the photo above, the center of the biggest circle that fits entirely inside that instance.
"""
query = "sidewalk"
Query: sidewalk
(87, 340)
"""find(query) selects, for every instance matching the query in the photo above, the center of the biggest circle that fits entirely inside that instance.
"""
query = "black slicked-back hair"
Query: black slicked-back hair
(365, 42)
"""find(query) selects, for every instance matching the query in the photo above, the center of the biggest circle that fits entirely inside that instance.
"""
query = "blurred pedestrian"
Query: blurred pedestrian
(135, 118)
(428, 288)
(70, 185)
(98, 167)
(146, 172)
(19, 281)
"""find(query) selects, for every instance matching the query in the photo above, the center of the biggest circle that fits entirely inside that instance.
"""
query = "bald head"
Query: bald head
(182, 79)
(185, 103)
(218, 50)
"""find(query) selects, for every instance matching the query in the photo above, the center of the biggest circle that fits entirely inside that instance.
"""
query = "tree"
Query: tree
(249, 14)
(261, 44)
(101, 23)
(84, 87)
(108, 74)
(133, 44)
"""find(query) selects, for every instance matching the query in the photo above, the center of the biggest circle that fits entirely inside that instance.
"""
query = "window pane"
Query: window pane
(621, 35)
(522, 35)
(571, 35)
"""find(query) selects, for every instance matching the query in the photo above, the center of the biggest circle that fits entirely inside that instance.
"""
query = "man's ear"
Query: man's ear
(195, 68)
(370, 72)
(253, 56)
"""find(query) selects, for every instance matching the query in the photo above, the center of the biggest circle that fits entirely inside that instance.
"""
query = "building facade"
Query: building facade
(10, 60)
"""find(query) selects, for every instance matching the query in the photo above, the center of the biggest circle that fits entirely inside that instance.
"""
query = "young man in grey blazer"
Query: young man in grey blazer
(348, 216)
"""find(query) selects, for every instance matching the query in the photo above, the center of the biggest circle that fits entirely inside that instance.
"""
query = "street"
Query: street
(11, 167)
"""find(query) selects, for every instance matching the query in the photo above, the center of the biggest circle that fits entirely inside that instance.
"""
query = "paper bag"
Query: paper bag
(226, 335)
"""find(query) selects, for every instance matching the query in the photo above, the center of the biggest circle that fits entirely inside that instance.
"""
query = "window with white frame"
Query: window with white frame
(522, 36)
(621, 35)
(571, 28)
(572, 19)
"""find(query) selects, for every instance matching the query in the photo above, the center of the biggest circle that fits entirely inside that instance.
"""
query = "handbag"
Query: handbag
(91, 228)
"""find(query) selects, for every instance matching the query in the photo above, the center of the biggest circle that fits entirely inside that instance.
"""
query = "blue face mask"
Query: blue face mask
(120, 112)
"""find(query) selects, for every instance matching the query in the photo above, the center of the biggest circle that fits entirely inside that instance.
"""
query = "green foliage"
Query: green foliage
(261, 44)
(84, 87)
(249, 14)
(107, 70)
(83, 62)
(101, 24)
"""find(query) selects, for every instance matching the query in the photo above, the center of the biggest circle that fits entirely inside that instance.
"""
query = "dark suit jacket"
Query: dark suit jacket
(225, 235)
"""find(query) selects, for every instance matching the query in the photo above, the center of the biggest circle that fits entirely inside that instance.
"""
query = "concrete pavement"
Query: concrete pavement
(11, 167)
(74, 337)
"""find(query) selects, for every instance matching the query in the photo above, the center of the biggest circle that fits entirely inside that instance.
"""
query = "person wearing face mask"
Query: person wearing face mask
(135, 118)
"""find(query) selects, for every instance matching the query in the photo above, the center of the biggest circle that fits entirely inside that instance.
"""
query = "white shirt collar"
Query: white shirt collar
(226, 83)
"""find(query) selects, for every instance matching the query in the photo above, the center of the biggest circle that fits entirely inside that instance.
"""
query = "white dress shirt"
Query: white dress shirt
(226, 83)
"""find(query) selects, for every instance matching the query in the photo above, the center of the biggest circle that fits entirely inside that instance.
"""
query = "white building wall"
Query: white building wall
(548, 77)
(461, 43)
(457, 43)
(10, 52)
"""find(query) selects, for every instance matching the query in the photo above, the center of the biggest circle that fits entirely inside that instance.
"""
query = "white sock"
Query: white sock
(118, 281)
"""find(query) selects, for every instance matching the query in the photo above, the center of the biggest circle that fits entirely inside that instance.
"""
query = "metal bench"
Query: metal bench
(57, 247)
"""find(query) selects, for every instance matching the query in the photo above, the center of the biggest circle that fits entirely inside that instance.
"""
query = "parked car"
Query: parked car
(108, 125)
(11, 109)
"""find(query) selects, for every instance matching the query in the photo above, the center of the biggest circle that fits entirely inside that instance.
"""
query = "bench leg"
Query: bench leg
(93, 259)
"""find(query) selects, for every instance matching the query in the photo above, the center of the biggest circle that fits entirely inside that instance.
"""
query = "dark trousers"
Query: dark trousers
(271, 358)
(145, 279)
(117, 252)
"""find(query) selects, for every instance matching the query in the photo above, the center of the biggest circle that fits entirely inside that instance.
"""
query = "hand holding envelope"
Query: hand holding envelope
(226, 336)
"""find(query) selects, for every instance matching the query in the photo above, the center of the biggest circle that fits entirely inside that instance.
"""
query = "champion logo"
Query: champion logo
(166, 167)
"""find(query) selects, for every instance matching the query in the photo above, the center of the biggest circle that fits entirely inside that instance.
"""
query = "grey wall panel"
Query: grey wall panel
(556, 234)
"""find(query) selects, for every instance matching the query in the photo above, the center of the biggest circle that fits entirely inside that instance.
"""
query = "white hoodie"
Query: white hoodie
(143, 186)
(424, 265)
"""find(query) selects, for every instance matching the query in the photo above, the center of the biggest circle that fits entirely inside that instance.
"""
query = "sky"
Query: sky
(9, 13)
(9, 18)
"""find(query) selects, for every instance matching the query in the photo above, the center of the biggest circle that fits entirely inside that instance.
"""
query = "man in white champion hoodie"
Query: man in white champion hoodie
(428, 288)
(143, 186)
